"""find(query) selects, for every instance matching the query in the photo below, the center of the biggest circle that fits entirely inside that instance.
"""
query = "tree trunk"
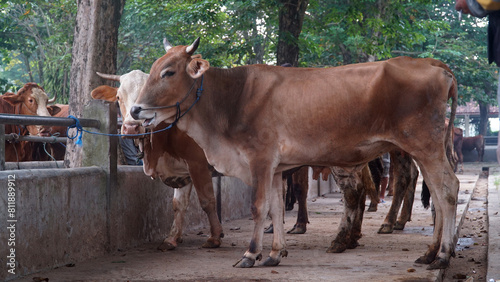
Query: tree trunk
(291, 18)
(94, 49)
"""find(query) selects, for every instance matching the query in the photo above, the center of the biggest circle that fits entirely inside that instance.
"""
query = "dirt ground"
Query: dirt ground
(380, 257)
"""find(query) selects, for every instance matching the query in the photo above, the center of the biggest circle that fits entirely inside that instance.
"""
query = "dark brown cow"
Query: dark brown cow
(171, 156)
(254, 122)
(458, 140)
(31, 99)
(475, 142)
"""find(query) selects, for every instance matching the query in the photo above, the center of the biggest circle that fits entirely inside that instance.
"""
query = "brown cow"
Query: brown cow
(255, 121)
(475, 142)
(31, 99)
(53, 151)
(171, 156)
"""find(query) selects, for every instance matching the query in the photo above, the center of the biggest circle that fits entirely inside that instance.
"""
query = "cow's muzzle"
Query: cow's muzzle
(135, 111)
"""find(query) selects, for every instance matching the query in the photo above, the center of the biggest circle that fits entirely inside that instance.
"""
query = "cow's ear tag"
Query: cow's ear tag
(197, 67)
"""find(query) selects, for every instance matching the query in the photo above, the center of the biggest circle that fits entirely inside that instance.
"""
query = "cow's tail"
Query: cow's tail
(453, 95)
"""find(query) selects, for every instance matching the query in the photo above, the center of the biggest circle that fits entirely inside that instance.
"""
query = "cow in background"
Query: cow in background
(475, 142)
(171, 156)
(53, 151)
(31, 99)
(458, 140)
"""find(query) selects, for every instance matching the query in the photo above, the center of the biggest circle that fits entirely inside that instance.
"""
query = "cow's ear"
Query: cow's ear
(53, 110)
(197, 67)
(12, 98)
(105, 92)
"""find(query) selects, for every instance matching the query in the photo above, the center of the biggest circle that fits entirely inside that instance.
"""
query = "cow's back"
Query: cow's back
(380, 100)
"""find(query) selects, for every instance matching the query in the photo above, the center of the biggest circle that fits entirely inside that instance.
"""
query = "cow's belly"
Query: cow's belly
(331, 152)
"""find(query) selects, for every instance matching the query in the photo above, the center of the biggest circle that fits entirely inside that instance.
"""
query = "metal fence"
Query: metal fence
(36, 120)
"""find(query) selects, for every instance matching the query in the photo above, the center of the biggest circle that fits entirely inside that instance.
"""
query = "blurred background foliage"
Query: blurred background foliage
(36, 37)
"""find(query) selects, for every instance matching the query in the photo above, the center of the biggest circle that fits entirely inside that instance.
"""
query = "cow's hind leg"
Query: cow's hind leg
(443, 186)
(354, 197)
(403, 179)
(179, 203)
(409, 198)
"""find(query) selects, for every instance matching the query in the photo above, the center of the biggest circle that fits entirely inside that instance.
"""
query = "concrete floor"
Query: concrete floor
(388, 257)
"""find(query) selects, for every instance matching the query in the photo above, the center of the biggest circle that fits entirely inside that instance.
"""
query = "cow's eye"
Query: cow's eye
(165, 73)
(30, 100)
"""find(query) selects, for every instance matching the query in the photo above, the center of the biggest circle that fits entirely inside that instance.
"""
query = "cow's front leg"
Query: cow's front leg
(262, 184)
(202, 181)
(276, 213)
(179, 203)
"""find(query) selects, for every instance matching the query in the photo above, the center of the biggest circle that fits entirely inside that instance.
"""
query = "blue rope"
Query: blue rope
(79, 130)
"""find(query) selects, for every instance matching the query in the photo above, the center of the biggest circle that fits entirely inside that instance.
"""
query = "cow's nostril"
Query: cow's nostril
(134, 112)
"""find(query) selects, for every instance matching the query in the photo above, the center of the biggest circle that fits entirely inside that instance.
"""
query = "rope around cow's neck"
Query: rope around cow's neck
(178, 115)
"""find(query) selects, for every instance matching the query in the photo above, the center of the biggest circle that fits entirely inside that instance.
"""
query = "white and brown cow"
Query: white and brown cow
(31, 99)
(171, 156)
(255, 121)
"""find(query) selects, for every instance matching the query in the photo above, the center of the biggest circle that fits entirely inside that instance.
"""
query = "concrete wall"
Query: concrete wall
(62, 215)
(490, 154)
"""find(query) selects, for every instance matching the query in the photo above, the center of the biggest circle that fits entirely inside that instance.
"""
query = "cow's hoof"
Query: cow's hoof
(439, 263)
(269, 230)
(269, 261)
(244, 262)
(353, 245)
(212, 243)
(372, 208)
(166, 246)
(385, 229)
(336, 248)
(399, 226)
(297, 230)
(424, 260)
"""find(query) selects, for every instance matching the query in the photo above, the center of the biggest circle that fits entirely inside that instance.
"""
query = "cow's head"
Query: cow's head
(130, 87)
(31, 99)
(171, 80)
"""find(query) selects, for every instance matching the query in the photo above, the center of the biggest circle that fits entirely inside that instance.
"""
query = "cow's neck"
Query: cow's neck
(213, 117)
(217, 107)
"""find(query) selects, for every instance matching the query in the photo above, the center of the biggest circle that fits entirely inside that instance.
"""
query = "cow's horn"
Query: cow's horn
(192, 48)
(51, 101)
(109, 76)
(166, 45)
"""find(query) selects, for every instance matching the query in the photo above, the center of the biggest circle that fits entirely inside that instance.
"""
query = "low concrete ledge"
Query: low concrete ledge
(66, 216)
(56, 217)
(494, 225)
(33, 165)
